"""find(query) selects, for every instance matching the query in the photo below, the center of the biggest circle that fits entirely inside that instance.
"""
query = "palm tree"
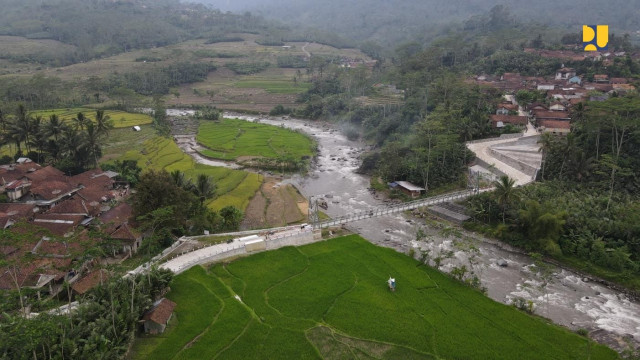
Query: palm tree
(103, 122)
(3, 120)
(568, 149)
(17, 132)
(180, 180)
(506, 192)
(54, 127)
(91, 143)
(38, 136)
(71, 142)
(546, 143)
(80, 120)
(204, 187)
(581, 165)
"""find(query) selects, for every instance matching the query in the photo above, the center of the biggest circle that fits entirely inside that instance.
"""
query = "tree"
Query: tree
(91, 143)
(204, 188)
(103, 123)
(231, 217)
(54, 127)
(80, 121)
(505, 192)
(546, 142)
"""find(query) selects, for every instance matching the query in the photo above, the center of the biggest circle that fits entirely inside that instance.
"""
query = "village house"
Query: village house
(556, 127)
(551, 115)
(506, 108)
(601, 78)
(156, 319)
(90, 280)
(498, 121)
(557, 106)
(407, 188)
(565, 73)
(10, 213)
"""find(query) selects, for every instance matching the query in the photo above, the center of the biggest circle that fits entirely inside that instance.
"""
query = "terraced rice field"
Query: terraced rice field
(121, 119)
(272, 86)
(230, 139)
(330, 300)
(234, 187)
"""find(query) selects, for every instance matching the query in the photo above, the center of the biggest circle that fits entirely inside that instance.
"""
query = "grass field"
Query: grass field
(234, 187)
(330, 300)
(230, 139)
(120, 119)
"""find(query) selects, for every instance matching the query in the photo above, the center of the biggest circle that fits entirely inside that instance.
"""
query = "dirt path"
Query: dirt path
(304, 49)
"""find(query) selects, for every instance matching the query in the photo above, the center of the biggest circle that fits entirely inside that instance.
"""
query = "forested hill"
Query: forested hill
(389, 21)
(106, 27)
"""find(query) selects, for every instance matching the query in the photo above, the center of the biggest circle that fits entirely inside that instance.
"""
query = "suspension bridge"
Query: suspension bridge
(386, 210)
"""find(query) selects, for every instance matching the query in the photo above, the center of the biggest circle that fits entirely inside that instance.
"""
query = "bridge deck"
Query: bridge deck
(385, 210)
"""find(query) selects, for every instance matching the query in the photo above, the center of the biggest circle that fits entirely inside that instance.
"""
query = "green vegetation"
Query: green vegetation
(330, 300)
(84, 333)
(231, 139)
(248, 68)
(121, 119)
(234, 187)
(586, 210)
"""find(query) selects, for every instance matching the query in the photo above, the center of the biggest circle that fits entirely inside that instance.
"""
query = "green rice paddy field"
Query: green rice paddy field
(121, 119)
(330, 300)
(231, 138)
(234, 187)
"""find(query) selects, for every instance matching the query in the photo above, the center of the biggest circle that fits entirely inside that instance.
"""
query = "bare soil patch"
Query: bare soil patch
(275, 205)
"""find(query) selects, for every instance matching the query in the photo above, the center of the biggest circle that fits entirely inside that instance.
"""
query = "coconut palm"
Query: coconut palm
(91, 143)
(204, 187)
(546, 143)
(506, 192)
(54, 127)
(80, 121)
(103, 122)
(17, 132)
(3, 120)
(581, 165)
(71, 142)
(180, 180)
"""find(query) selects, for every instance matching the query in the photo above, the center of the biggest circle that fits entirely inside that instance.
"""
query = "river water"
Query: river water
(567, 298)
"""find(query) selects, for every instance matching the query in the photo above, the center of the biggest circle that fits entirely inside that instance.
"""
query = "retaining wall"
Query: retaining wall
(515, 163)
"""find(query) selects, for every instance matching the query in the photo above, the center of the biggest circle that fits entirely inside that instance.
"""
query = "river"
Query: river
(568, 299)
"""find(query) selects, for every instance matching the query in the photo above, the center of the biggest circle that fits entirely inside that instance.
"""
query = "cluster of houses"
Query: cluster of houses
(56, 214)
(563, 91)
(352, 63)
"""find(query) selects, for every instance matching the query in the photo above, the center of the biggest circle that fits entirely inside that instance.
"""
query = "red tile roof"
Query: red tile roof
(48, 173)
(508, 106)
(117, 215)
(91, 280)
(49, 190)
(555, 115)
(17, 211)
(509, 119)
(13, 172)
(124, 232)
(58, 224)
(618, 81)
(73, 206)
(161, 313)
(555, 124)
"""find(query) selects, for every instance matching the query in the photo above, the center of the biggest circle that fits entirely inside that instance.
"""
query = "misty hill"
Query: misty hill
(106, 27)
(389, 21)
